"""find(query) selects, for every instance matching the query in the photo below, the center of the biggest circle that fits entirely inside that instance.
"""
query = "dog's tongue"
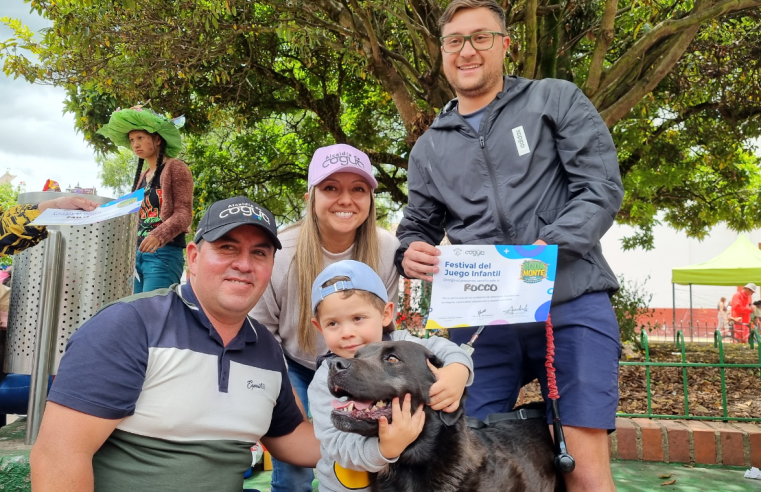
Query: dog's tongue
(359, 405)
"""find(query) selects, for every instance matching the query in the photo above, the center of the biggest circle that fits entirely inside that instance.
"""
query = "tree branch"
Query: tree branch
(624, 104)
(604, 39)
(662, 30)
(387, 158)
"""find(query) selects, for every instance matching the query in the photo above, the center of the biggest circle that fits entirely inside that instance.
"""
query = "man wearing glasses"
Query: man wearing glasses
(517, 161)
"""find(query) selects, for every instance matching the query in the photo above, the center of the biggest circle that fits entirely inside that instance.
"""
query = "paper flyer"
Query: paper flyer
(492, 285)
(128, 204)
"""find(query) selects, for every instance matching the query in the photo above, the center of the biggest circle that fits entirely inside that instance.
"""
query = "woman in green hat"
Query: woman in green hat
(167, 209)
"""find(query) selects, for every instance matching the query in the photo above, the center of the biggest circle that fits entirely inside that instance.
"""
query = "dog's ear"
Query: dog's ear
(435, 360)
(452, 418)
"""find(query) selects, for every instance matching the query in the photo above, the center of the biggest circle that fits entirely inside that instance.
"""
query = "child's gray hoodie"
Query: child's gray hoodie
(346, 457)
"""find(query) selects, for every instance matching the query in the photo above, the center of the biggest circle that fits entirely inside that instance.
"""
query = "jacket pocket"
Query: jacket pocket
(606, 279)
(528, 232)
(547, 217)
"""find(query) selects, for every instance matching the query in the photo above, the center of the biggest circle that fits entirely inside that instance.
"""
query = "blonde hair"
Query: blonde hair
(308, 262)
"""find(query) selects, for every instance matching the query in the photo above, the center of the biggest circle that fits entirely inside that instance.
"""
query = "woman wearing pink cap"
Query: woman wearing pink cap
(339, 225)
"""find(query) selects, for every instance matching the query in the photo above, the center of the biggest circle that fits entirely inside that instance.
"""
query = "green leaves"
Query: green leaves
(117, 171)
(262, 84)
(630, 303)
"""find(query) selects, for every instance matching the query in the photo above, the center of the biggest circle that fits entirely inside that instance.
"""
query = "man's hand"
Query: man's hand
(68, 203)
(539, 242)
(405, 427)
(420, 261)
(150, 244)
(446, 392)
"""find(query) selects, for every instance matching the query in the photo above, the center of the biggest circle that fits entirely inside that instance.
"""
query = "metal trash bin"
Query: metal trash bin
(97, 266)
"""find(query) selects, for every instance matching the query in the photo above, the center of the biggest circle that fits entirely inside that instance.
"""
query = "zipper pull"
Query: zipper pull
(481, 140)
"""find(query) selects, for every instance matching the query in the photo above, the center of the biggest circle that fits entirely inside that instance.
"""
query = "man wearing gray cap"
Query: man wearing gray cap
(741, 308)
(167, 390)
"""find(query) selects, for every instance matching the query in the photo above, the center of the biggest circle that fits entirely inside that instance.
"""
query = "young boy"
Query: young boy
(351, 307)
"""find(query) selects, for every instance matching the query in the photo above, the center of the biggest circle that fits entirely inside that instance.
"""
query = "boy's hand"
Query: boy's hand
(450, 383)
(405, 427)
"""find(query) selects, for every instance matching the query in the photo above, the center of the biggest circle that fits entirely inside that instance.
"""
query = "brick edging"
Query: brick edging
(686, 441)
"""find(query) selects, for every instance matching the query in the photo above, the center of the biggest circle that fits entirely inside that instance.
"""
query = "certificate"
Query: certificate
(492, 285)
(128, 204)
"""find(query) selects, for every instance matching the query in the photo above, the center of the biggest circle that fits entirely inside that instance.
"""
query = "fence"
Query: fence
(415, 297)
(698, 332)
(754, 339)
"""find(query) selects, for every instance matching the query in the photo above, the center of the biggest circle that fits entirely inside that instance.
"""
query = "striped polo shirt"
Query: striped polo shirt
(190, 407)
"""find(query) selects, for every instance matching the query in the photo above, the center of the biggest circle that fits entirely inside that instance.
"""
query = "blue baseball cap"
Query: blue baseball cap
(361, 277)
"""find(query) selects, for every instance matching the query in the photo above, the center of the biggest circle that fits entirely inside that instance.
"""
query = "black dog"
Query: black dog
(448, 456)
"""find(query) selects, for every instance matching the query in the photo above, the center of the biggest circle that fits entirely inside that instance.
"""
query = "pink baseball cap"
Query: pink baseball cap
(340, 158)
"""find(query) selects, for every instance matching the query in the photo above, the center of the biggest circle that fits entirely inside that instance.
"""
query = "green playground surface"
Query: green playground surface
(635, 476)
(629, 476)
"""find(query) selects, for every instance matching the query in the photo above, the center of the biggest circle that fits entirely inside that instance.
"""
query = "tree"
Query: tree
(117, 170)
(278, 148)
(9, 195)
(677, 82)
(8, 198)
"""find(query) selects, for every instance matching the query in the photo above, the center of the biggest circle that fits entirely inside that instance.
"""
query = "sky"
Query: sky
(37, 140)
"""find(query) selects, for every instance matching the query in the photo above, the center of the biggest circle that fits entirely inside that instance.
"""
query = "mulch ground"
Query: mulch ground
(704, 384)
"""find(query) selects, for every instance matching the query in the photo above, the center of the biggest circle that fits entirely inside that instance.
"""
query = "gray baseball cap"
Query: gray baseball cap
(225, 215)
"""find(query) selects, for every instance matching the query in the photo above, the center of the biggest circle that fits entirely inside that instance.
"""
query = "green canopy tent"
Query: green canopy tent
(737, 265)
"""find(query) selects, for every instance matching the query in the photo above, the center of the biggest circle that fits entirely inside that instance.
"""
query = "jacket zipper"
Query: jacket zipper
(506, 230)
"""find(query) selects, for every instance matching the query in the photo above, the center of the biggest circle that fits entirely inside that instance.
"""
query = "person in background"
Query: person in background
(722, 315)
(741, 309)
(16, 235)
(755, 316)
(339, 225)
(167, 208)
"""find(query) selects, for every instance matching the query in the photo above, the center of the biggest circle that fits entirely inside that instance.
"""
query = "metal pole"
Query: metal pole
(690, 313)
(673, 311)
(44, 342)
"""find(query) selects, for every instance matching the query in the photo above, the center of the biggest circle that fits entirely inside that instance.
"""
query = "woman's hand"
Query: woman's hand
(68, 203)
(150, 244)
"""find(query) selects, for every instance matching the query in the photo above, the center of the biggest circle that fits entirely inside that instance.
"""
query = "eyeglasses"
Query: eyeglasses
(480, 41)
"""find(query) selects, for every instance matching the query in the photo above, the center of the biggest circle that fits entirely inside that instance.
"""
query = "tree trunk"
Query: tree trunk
(530, 35)
(604, 39)
(548, 43)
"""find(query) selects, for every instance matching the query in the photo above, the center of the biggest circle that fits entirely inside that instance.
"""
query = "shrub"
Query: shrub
(630, 304)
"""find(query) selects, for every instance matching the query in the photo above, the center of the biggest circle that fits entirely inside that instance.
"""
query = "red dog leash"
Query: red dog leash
(564, 462)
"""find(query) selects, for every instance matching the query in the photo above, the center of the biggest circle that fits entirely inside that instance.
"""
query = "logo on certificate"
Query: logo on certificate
(127, 202)
(533, 271)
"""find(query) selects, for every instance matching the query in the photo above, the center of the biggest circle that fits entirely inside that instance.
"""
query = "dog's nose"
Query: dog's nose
(340, 364)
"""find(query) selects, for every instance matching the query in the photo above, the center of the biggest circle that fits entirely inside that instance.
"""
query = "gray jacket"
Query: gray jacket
(352, 451)
(542, 165)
